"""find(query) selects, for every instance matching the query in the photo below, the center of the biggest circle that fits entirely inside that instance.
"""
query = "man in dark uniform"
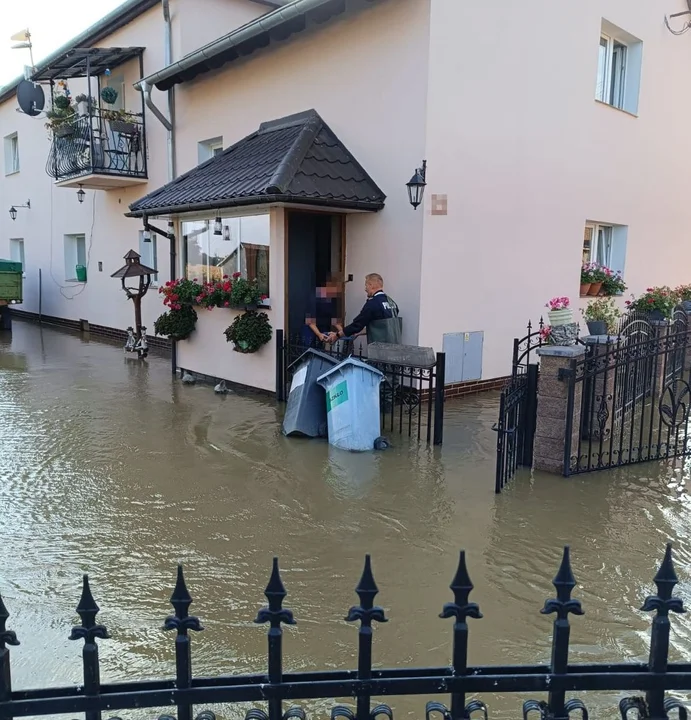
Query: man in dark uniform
(379, 315)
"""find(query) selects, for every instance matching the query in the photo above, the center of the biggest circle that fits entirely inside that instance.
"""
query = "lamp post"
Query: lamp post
(131, 271)
(416, 186)
(13, 209)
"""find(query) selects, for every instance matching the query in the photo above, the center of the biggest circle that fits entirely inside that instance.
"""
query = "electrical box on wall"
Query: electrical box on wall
(463, 356)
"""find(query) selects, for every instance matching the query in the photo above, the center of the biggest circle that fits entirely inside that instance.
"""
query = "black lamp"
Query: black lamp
(218, 226)
(416, 186)
(13, 212)
(80, 195)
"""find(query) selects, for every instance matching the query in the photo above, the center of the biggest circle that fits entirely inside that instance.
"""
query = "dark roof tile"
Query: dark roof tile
(294, 159)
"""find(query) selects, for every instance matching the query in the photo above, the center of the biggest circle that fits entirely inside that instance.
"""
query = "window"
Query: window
(75, 254)
(149, 254)
(11, 154)
(605, 245)
(209, 148)
(243, 247)
(17, 251)
(618, 68)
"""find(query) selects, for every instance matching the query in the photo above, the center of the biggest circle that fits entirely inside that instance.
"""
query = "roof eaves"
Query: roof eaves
(270, 24)
(121, 16)
(258, 200)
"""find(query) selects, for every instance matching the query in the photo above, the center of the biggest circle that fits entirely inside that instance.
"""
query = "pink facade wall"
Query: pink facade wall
(362, 77)
(526, 155)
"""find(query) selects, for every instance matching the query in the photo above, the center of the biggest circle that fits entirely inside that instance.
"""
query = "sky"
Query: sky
(51, 25)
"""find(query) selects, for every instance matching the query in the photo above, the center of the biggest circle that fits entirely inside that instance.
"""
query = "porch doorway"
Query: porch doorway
(316, 252)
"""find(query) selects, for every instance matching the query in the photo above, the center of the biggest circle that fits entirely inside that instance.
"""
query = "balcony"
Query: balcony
(102, 150)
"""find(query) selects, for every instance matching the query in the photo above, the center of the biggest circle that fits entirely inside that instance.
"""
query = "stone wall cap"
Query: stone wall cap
(566, 351)
(600, 339)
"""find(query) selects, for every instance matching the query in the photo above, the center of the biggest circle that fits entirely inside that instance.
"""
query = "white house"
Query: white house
(552, 134)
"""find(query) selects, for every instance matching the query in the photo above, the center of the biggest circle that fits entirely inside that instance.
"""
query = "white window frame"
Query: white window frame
(72, 259)
(144, 252)
(11, 149)
(207, 149)
(613, 75)
(18, 243)
(618, 238)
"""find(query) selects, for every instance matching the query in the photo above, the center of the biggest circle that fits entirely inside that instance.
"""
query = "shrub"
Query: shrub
(249, 331)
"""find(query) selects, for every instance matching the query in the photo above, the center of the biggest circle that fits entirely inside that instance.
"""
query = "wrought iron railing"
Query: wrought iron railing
(412, 398)
(104, 142)
(557, 680)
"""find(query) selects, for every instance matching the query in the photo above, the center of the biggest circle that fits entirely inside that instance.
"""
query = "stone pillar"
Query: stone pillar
(552, 399)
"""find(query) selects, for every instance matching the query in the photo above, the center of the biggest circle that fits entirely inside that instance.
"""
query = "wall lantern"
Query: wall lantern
(80, 195)
(218, 227)
(146, 236)
(134, 271)
(416, 186)
(13, 209)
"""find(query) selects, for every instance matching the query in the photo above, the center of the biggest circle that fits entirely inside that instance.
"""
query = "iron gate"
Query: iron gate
(515, 427)
(629, 398)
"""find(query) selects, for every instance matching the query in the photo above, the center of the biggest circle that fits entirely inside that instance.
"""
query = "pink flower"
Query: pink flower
(226, 304)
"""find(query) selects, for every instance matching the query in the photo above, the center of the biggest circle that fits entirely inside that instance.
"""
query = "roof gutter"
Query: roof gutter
(261, 25)
(256, 200)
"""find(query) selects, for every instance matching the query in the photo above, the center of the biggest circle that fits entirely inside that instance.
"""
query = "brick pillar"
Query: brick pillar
(552, 398)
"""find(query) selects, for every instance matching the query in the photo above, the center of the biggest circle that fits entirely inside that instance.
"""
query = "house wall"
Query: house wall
(526, 155)
(199, 22)
(56, 212)
(363, 79)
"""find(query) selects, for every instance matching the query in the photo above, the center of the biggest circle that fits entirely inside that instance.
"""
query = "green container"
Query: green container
(10, 282)
(81, 273)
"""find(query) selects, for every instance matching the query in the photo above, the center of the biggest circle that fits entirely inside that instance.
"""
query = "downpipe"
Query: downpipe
(169, 124)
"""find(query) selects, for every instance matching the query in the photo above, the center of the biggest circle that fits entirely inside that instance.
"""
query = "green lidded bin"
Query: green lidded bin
(81, 273)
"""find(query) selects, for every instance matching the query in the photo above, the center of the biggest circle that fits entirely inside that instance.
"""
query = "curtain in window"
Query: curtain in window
(604, 245)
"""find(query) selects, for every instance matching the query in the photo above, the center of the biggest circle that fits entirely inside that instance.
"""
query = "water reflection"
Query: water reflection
(107, 466)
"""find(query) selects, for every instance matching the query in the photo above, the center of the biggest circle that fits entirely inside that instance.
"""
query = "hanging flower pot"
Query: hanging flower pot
(249, 332)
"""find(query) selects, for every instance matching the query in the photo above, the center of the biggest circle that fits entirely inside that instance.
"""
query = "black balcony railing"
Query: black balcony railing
(100, 143)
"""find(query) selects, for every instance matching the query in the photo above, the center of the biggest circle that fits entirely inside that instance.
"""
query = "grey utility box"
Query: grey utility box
(306, 410)
(463, 356)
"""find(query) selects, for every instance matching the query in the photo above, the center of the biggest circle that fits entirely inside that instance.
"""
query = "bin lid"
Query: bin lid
(10, 266)
(350, 362)
(405, 355)
(311, 351)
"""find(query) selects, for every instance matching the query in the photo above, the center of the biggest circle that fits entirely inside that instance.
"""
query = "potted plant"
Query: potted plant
(601, 316)
(559, 311)
(177, 324)
(109, 95)
(60, 116)
(598, 277)
(683, 293)
(613, 284)
(249, 331)
(216, 293)
(657, 302)
(245, 293)
(83, 104)
(586, 279)
(180, 292)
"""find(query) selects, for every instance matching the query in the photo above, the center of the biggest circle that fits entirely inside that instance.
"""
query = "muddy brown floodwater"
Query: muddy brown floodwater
(110, 467)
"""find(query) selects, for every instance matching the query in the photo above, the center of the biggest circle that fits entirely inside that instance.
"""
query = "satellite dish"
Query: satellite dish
(30, 98)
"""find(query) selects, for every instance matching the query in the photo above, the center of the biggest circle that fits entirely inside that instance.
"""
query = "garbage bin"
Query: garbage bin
(306, 410)
(81, 273)
(352, 404)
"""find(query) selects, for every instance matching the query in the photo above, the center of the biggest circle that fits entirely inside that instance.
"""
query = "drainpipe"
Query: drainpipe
(169, 124)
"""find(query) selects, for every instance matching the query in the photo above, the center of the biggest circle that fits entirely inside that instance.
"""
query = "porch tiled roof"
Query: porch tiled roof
(296, 159)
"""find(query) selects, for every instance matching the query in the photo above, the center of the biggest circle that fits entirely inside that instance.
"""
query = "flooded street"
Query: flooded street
(110, 467)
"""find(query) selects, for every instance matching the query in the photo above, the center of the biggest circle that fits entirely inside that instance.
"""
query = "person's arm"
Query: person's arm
(367, 314)
(312, 325)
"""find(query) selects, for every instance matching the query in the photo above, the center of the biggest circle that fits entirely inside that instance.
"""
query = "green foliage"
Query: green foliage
(249, 331)
(109, 95)
(177, 324)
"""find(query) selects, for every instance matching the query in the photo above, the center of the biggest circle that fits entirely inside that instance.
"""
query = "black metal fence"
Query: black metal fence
(516, 425)
(556, 681)
(100, 143)
(412, 398)
(629, 398)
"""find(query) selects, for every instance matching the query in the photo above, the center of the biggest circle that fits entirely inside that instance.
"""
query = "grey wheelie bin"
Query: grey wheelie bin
(306, 409)
(352, 404)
